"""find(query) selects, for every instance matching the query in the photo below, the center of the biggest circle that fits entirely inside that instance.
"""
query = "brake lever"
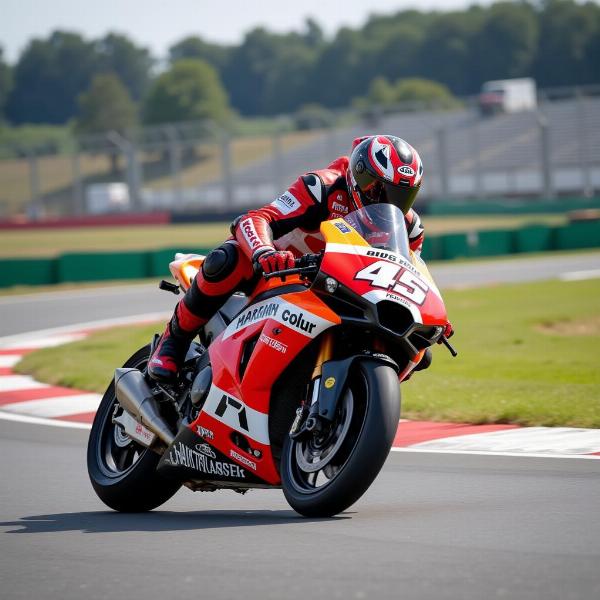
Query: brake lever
(449, 346)
(295, 271)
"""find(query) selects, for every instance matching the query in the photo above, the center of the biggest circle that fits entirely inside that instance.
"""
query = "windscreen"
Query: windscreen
(381, 226)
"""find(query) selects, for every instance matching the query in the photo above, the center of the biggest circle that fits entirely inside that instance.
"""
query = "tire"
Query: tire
(122, 472)
(366, 424)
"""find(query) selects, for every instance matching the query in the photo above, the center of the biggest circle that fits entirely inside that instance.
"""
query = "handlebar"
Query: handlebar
(305, 265)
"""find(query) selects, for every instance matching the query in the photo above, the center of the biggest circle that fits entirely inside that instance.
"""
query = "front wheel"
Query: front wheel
(324, 474)
(122, 472)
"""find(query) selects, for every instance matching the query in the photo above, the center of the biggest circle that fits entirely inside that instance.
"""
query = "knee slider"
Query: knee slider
(220, 263)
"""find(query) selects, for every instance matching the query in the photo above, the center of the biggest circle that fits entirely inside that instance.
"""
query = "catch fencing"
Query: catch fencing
(197, 167)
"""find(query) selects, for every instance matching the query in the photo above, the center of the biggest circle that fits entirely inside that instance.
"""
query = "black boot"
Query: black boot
(168, 356)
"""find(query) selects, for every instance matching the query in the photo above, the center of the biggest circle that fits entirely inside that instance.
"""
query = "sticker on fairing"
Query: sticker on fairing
(283, 312)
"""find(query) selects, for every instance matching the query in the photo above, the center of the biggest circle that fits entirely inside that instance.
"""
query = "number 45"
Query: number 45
(384, 275)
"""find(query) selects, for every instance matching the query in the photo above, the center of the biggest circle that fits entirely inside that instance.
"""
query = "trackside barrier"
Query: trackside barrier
(155, 263)
(28, 271)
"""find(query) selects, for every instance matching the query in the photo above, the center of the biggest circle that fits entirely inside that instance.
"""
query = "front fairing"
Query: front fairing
(368, 252)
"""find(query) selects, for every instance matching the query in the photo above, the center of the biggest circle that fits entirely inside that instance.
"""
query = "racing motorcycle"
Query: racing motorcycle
(295, 386)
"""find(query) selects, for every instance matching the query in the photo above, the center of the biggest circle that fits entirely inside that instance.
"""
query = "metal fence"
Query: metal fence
(198, 167)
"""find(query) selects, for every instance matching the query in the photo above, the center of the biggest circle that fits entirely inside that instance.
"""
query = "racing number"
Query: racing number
(384, 275)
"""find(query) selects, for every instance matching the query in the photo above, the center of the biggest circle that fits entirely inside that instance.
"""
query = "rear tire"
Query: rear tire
(365, 426)
(122, 472)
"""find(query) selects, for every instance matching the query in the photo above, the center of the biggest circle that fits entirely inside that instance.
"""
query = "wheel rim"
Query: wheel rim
(313, 464)
(117, 454)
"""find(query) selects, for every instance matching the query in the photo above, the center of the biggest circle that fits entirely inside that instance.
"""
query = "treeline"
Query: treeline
(66, 76)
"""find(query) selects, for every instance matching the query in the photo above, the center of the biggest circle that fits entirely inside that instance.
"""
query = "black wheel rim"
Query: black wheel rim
(312, 464)
(117, 454)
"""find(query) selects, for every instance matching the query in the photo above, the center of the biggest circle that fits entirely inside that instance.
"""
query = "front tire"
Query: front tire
(321, 479)
(122, 472)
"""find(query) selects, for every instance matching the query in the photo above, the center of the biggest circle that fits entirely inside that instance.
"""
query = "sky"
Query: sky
(157, 24)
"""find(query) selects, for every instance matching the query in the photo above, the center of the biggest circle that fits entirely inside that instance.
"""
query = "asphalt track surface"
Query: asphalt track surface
(431, 526)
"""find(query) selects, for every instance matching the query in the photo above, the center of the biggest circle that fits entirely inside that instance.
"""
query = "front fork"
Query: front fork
(307, 417)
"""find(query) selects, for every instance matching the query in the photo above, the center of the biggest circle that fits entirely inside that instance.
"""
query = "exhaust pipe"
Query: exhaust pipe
(135, 397)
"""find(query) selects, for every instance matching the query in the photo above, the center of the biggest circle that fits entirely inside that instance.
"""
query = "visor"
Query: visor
(402, 197)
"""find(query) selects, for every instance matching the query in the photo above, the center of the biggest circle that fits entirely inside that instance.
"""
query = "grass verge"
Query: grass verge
(528, 354)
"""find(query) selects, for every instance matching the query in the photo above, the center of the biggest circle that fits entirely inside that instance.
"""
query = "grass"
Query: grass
(52, 242)
(528, 354)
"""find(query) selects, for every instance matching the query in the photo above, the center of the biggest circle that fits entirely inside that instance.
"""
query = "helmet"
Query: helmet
(384, 168)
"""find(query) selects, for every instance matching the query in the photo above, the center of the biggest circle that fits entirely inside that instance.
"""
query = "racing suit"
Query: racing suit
(291, 222)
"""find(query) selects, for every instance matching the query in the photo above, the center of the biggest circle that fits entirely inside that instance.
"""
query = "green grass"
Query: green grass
(528, 354)
(52, 242)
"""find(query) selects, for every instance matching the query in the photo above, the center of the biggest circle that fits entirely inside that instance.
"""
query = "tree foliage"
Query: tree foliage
(557, 42)
(5, 84)
(188, 91)
(106, 106)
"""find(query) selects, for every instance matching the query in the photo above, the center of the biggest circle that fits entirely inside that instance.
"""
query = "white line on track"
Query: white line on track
(487, 453)
(40, 421)
(57, 407)
(580, 275)
(13, 383)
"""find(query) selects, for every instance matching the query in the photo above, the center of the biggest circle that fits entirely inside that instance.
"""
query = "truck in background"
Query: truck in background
(507, 96)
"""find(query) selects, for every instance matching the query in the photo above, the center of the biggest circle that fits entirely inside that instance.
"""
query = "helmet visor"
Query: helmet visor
(402, 197)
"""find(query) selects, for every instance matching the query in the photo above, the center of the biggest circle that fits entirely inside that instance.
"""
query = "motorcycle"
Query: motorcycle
(295, 386)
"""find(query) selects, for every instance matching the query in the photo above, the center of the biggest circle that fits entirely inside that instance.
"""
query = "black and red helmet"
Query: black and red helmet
(384, 168)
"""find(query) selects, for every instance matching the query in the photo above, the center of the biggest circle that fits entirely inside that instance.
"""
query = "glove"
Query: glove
(275, 260)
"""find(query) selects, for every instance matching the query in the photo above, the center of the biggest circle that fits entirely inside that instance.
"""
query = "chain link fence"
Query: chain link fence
(197, 167)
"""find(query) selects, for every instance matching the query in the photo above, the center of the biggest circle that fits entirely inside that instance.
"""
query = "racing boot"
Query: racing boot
(168, 356)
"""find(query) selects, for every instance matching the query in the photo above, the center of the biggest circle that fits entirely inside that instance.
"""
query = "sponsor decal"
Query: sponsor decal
(256, 314)
(339, 207)
(250, 234)
(343, 227)
(227, 402)
(272, 343)
(329, 382)
(398, 299)
(144, 433)
(182, 456)
(207, 434)
(298, 321)
(231, 411)
(243, 459)
(406, 170)
(396, 258)
(287, 203)
(206, 450)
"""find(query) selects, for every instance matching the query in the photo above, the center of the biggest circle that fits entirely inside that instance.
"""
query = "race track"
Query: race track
(432, 526)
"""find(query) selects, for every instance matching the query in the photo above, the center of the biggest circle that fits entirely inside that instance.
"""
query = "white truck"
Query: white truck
(507, 96)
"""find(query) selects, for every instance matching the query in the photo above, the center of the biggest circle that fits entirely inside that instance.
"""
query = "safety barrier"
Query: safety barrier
(99, 266)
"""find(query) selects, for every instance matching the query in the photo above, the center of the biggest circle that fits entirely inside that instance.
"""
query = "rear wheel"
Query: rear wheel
(324, 474)
(122, 472)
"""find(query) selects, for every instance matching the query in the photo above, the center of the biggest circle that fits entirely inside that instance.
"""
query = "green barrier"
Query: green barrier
(160, 259)
(454, 245)
(493, 242)
(102, 266)
(512, 207)
(28, 271)
(535, 238)
(582, 234)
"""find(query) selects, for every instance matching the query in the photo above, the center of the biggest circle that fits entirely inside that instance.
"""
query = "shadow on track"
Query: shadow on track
(110, 522)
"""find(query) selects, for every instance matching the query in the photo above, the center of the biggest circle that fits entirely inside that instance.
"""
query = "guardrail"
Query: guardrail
(102, 266)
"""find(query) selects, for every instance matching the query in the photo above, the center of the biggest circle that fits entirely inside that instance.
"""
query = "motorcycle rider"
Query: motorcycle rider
(381, 168)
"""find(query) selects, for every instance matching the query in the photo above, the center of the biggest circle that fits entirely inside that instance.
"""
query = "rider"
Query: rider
(381, 168)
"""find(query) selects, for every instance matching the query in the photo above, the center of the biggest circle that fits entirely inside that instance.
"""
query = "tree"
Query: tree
(132, 64)
(5, 84)
(506, 44)
(48, 78)
(106, 106)
(215, 55)
(567, 34)
(190, 90)
(424, 91)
